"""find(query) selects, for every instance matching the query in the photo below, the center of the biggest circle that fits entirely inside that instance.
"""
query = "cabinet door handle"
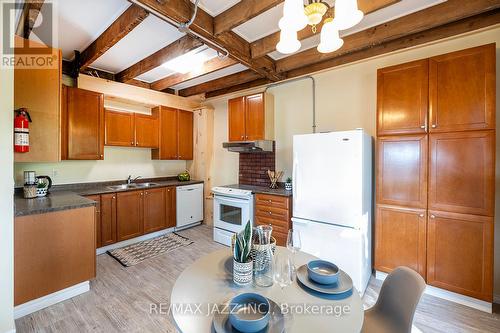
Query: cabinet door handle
(434, 126)
(270, 213)
(132, 143)
(270, 201)
(102, 156)
(113, 197)
(433, 216)
(137, 143)
(142, 193)
(145, 192)
(246, 137)
(242, 137)
(421, 215)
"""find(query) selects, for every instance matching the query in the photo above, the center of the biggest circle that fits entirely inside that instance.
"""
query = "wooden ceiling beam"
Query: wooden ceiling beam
(441, 14)
(239, 49)
(481, 21)
(113, 34)
(240, 13)
(28, 17)
(208, 67)
(169, 52)
(221, 83)
(267, 44)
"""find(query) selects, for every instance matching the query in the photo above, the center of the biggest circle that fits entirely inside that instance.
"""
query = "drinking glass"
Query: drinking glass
(293, 244)
(283, 270)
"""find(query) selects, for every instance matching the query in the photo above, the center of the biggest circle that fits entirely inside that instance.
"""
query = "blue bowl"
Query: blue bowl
(249, 312)
(323, 272)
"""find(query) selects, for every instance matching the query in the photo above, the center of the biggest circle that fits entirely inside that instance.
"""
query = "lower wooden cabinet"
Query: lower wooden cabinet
(274, 210)
(124, 215)
(170, 199)
(400, 239)
(460, 253)
(129, 213)
(154, 210)
(108, 219)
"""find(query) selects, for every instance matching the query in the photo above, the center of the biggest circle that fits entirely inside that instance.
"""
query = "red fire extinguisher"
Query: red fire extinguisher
(22, 131)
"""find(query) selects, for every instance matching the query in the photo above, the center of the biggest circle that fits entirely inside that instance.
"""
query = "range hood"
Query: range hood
(258, 146)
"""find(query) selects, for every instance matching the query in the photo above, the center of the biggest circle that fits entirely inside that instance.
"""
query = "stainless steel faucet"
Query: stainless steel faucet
(130, 180)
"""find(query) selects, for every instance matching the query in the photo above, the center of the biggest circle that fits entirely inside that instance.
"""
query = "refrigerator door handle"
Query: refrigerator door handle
(294, 178)
(301, 222)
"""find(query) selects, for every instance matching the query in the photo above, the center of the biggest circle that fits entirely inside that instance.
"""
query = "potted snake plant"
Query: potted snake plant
(242, 261)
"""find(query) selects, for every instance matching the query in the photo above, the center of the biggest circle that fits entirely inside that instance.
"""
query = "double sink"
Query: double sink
(131, 186)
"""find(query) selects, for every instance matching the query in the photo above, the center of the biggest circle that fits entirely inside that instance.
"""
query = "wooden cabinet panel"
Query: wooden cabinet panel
(272, 212)
(185, 135)
(129, 207)
(272, 200)
(460, 253)
(108, 227)
(170, 199)
(401, 171)
(119, 128)
(154, 210)
(402, 98)
(97, 199)
(278, 225)
(146, 131)
(39, 90)
(168, 134)
(53, 251)
(254, 117)
(85, 124)
(236, 119)
(461, 172)
(462, 90)
(400, 239)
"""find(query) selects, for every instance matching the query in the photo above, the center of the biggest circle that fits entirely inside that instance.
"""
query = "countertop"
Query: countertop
(262, 189)
(52, 202)
(71, 196)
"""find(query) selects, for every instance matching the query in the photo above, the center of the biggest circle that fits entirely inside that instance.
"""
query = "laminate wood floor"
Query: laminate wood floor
(120, 298)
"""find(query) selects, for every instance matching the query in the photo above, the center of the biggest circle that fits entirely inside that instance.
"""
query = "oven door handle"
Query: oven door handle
(230, 200)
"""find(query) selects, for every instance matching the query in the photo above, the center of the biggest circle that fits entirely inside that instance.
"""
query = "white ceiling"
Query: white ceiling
(81, 22)
(148, 37)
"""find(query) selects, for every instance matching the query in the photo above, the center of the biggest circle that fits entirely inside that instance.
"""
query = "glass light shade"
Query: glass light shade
(329, 40)
(293, 15)
(347, 14)
(288, 42)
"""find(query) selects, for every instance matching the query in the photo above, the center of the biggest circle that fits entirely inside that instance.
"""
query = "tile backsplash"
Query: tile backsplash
(254, 166)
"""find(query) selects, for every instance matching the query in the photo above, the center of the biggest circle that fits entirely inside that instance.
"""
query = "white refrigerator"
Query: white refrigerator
(332, 199)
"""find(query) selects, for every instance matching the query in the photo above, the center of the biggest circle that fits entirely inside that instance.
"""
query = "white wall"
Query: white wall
(346, 99)
(118, 164)
(6, 201)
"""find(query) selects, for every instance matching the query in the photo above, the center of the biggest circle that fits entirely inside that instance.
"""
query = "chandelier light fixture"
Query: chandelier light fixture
(296, 17)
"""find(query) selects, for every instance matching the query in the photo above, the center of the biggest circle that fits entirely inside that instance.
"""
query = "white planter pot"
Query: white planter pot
(242, 272)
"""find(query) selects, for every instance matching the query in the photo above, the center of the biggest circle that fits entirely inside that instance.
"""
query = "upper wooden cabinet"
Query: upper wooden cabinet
(251, 118)
(132, 129)
(120, 128)
(400, 239)
(83, 125)
(402, 101)
(462, 90)
(462, 171)
(176, 134)
(39, 90)
(401, 170)
(460, 253)
(146, 130)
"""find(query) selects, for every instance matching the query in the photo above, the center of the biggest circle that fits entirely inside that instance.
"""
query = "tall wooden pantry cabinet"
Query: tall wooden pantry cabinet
(435, 170)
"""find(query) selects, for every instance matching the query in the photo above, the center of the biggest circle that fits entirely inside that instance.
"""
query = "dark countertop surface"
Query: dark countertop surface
(71, 196)
(52, 202)
(262, 189)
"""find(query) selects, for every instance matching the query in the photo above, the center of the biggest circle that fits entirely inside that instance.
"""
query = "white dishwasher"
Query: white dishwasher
(189, 205)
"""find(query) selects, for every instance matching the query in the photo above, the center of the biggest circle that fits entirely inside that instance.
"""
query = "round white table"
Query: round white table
(208, 282)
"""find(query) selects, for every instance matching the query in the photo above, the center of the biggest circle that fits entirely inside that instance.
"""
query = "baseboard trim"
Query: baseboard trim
(450, 296)
(51, 299)
(104, 249)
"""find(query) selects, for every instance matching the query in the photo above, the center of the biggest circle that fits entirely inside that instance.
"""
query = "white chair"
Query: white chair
(396, 304)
